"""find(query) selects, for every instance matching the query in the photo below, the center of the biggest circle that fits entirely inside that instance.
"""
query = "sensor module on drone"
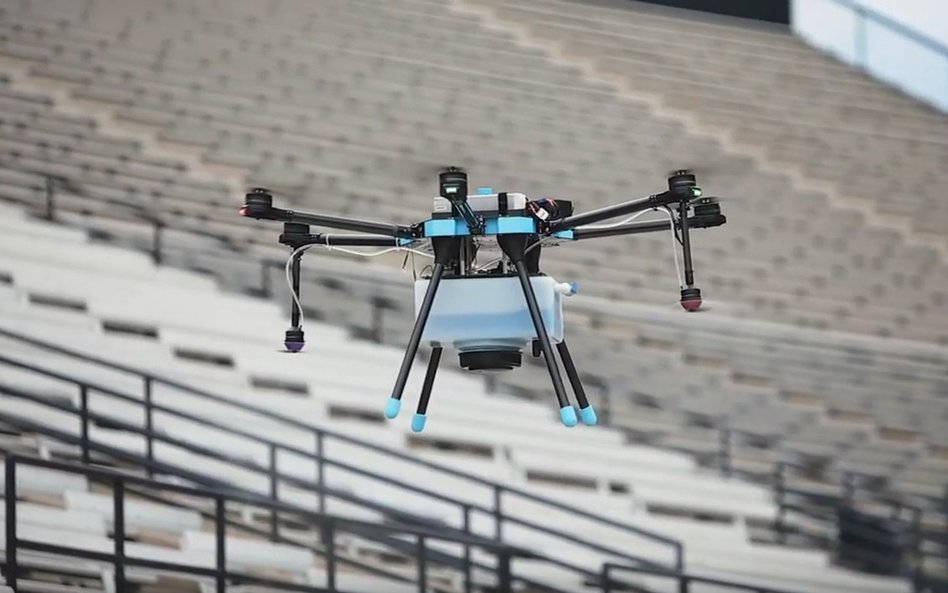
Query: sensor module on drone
(490, 312)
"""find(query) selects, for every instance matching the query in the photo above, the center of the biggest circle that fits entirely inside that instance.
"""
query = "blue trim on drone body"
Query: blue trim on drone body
(566, 235)
(502, 225)
(404, 242)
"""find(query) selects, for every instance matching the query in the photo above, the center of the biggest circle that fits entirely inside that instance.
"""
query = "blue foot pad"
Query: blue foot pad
(392, 407)
(418, 422)
(588, 414)
(568, 415)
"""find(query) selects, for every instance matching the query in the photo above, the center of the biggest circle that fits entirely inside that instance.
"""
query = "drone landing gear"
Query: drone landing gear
(418, 421)
(514, 247)
(443, 255)
(395, 402)
(586, 412)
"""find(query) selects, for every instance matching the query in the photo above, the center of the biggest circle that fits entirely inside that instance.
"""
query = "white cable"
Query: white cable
(671, 223)
(300, 250)
(289, 281)
(674, 239)
(621, 222)
(382, 252)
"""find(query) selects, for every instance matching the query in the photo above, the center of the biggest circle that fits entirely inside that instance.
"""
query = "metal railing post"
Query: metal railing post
(725, 451)
(504, 578)
(849, 487)
(11, 536)
(156, 243)
(918, 560)
(605, 576)
(780, 494)
(680, 568)
(118, 532)
(328, 537)
(498, 513)
(50, 198)
(274, 479)
(422, 565)
(149, 427)
(320, 472)
(467, 550)
(220, 540)
(860, 35)
(84, 419)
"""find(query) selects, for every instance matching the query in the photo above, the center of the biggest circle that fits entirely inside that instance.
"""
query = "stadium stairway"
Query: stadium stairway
(763, 89)
(81, 296)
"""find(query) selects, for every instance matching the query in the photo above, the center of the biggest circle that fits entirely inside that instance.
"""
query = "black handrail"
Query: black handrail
(152, 466)
(329, 526)
(609, 584)
(895, 26)
(826, 508)
(258, 500)
(196, 478)
(322, 433)
(85, 443)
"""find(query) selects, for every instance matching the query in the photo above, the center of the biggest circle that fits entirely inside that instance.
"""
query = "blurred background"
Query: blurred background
(792, 436)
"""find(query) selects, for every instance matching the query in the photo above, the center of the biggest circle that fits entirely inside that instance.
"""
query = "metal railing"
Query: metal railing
(829, 508)
(499, 493)
(611, 583)
(329, 527)
(905, 57)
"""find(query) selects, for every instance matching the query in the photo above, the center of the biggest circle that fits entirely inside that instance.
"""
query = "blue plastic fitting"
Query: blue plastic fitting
(418, 422)
(568, 415)
(485, 191)
(588, 414)
(392, 407)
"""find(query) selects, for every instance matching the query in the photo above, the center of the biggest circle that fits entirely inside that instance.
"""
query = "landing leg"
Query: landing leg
(586, 411)
(395, 402)
(567, 412)
(418, 422)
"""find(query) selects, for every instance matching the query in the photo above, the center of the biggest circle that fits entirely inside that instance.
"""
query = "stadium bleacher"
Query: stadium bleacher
(372, 139)
(223, 351)
(833, 378)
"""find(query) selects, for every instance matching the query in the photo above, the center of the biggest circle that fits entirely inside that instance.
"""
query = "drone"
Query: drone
(490, 312)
